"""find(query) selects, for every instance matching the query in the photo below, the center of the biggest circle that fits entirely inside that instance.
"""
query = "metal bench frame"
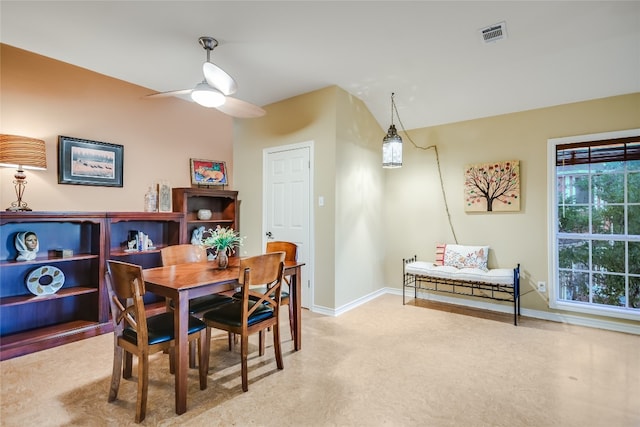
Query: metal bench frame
(494, 291)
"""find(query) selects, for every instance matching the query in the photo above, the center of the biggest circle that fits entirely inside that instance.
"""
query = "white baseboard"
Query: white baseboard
(350, 306)
(536, 314)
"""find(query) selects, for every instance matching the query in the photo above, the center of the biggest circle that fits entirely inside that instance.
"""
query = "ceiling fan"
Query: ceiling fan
(215, 90)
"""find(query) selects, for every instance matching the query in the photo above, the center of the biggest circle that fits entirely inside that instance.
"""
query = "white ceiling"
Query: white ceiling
(429, 53)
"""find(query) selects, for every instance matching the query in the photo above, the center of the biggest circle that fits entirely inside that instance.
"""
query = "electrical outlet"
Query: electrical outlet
(542, 287)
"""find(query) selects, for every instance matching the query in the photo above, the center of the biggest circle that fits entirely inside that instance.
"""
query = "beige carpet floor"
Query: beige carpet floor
(381, 364)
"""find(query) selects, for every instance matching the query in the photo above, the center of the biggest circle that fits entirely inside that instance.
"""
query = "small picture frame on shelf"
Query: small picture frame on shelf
(84, 162)
(164, 197)
(208, 172)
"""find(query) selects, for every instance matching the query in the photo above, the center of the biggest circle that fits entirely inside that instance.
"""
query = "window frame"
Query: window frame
(553, 261)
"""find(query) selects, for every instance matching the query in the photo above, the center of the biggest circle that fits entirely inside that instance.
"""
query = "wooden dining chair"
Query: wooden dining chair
(179, 254)
(291, 254)
(136, 334)
(184, 253)
(260, 279)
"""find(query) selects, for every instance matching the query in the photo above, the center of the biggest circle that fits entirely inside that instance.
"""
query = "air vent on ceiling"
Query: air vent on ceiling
(494, 32)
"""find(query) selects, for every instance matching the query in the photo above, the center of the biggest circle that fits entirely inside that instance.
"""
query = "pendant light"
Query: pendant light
(392, 155)
(392, 144)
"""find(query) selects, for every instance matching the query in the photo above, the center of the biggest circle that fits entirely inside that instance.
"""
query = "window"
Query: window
(595, 224)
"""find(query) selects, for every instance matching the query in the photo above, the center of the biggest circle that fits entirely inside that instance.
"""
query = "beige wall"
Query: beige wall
(414, 205)
(44, 98)
(359, 181)
(348, 228)
(309, 117)
(375, 217)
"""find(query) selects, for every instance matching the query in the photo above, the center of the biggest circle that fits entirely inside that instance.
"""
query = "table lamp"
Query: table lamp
(21, 152)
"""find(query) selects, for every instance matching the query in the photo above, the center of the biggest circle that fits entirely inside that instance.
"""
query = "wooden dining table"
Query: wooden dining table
(183, 282)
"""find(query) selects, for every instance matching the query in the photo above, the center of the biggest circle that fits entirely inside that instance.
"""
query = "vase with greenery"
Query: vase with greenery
(225, 241)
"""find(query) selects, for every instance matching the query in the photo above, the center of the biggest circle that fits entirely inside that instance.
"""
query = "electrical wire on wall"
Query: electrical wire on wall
(435, 148)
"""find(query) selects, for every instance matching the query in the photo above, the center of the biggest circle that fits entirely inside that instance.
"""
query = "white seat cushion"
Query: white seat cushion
(501, 276)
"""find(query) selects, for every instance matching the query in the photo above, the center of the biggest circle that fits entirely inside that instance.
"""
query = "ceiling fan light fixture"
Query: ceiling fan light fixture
(215, 89)
(207, 96)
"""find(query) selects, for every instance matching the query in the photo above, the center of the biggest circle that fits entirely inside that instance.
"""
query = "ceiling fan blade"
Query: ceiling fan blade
(241, 109)
(219, 79)
(170, 93)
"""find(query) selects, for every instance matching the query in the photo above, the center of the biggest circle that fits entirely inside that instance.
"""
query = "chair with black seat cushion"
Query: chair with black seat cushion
(179, 254)
(291, 254)
(136, 334)
(260, 279)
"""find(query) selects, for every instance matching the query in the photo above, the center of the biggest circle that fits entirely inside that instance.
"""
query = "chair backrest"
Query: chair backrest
(179, 254)
(290, 249)
(258, 271)
(126, 289)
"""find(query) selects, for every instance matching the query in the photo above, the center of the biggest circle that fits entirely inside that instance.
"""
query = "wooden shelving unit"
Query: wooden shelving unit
(224, 206)
(163, 228)
(30, 323)
(79, 309)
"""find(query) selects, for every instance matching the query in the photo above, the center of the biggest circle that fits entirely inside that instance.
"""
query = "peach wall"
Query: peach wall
(43, 98)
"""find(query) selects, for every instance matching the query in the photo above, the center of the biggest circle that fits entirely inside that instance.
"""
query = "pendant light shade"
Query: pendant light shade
(392, 144)
(392, 149)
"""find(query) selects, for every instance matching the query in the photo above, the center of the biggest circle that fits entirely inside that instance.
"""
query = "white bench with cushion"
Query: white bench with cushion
(462, 270)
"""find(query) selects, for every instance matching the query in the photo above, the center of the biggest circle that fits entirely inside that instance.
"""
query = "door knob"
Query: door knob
(269, 235)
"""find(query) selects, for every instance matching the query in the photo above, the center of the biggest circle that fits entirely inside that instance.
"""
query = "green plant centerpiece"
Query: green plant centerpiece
(224, 240)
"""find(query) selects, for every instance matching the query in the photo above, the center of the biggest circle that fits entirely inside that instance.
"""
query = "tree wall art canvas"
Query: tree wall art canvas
(492, 187)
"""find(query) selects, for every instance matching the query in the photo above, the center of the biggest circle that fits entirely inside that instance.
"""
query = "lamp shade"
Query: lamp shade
(22, 152)
(207, 96)
(392, 149)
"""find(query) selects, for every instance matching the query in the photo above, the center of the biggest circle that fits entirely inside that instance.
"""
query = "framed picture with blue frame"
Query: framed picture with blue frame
(208, 172)
(86, 162)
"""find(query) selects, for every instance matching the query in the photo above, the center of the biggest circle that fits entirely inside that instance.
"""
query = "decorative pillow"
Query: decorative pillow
(461, 256)
(440, 248)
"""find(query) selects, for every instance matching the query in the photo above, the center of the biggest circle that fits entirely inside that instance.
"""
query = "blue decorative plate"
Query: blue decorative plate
(45, 280)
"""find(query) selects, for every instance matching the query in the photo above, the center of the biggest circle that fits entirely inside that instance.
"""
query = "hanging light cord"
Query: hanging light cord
(435, 148)
(393, 107)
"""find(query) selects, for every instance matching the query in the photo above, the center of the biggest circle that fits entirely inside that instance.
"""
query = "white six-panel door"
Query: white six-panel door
(287, 197)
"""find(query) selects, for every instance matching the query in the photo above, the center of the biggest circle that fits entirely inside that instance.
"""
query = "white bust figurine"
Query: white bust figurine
(196, 237)
(27, 245)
